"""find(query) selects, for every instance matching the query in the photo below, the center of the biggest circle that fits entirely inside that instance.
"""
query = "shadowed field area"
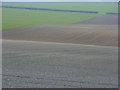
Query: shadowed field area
(53, 65)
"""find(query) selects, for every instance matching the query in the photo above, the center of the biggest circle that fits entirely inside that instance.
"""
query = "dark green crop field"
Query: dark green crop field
(14, 18)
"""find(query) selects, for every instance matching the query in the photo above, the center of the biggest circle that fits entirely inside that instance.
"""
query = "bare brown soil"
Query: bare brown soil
(106, 35)
(102, 20)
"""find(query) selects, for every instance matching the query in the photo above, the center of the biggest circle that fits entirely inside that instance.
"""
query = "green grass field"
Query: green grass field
(93, 6)
(13, 18)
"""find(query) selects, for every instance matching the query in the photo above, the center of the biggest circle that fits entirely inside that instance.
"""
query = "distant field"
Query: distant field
(13, 18)
(100, 7)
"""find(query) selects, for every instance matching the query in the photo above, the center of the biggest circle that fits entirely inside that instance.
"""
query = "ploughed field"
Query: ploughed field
(105, 35)
(58, 49)
(28, 64)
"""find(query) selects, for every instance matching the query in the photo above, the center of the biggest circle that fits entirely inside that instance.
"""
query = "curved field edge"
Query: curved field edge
(104, 35)
(14, 18)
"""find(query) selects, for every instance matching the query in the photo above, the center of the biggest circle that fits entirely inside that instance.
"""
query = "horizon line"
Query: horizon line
(42, 2)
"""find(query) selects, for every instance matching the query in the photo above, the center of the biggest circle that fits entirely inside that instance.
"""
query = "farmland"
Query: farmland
(100, 7)
(60, 45)
(13, 18)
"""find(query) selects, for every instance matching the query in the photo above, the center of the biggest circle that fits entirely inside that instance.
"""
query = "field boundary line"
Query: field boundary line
(56, 10)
